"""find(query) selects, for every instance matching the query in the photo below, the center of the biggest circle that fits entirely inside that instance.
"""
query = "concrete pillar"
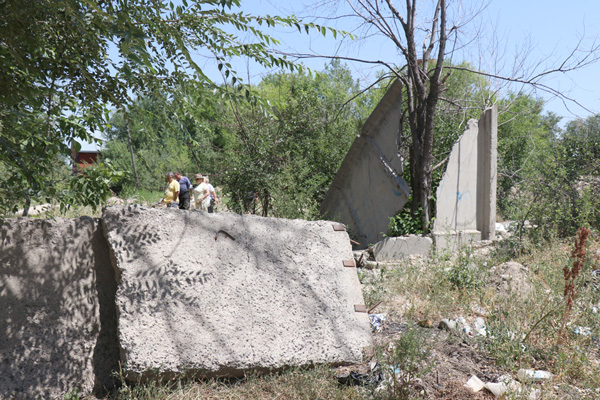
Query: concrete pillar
(487, 173)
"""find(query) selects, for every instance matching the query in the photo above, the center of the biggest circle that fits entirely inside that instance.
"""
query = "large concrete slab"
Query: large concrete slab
(57, 313)
(466, 196)
(220, 294)
(368, 188)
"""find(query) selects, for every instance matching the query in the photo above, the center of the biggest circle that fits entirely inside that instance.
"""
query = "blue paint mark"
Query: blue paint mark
(460, 195)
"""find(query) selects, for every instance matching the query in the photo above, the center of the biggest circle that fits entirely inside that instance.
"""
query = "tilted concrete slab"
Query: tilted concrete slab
(466, 196)
(57, 313)
(368, 188)
(397, 248)
(220, 294)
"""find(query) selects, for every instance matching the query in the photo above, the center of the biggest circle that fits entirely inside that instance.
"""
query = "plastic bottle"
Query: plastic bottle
(533, 375)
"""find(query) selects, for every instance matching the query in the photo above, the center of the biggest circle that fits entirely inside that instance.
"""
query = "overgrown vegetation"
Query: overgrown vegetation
(522, 331)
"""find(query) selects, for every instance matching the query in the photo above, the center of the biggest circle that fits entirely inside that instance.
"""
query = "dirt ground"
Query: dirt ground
(453, 359)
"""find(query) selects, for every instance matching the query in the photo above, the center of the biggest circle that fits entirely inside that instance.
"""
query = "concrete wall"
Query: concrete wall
(165, 291)
(397, 248)
(57, 314)
(368, 187)
(466, 197)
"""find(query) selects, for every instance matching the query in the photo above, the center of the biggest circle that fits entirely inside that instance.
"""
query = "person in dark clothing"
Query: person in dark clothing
(184, 191)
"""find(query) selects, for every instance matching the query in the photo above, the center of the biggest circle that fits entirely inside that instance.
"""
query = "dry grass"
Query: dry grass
(316, 383)
(523, 328)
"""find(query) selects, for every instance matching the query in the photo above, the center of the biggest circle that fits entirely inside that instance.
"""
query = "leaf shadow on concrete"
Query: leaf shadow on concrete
(57, 320)
(252, 300)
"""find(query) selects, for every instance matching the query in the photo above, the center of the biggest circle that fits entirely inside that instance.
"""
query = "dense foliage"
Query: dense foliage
(285, 160)
(73, 69)
(65, 62)
(274, 157)
(559, 190)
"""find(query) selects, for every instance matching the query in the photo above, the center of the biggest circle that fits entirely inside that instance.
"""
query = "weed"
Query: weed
(465, 273)
(407, 222)
(373, 289)
(570, 275)
(298, 383)
(403, 361)
(73, 395)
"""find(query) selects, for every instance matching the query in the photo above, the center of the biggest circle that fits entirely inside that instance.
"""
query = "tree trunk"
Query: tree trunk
(27, 205)
(135, 174)
(423, 89)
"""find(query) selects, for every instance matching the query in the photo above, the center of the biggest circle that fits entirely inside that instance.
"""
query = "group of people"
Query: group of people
(179, 188)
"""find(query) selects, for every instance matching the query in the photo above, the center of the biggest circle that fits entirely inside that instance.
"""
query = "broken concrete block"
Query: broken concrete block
(368, 188)
(397, 248)
(57, 319)
(475, 384)
(220, 294)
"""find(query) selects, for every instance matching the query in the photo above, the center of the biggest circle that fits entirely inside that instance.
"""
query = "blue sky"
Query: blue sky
(549, 30)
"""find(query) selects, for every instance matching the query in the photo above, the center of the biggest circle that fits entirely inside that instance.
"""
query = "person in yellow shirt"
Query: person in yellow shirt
(172, 192)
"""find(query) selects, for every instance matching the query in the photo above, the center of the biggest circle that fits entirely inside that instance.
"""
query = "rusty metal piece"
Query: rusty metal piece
(339, 227)
(370, 310)
(349, 263)
(225, 234)
(360, 308)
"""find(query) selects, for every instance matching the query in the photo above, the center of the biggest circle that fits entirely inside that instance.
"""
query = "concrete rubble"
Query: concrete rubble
(368, 188)
(397, 248)
(221, 294)
(164, 291)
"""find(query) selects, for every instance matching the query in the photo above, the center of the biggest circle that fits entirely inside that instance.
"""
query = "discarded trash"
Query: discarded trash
(583, 330)
(357, 379)
(480, 326)
(461, 323)
(475, 384)
(376, 321)
(425, 323)
(504, 384)
(447, 324)
(529, 375)
(497, 389)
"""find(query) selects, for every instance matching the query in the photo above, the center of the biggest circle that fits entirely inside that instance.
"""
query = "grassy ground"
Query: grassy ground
(523, 316)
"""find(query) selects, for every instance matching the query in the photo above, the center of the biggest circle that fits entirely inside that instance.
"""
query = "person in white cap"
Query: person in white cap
(201, 194)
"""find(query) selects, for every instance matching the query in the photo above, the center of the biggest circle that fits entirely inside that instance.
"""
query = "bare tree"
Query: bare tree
(426, 40)
(422, 76)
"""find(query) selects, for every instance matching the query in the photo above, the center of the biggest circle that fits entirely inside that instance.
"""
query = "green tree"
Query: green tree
(282, 162)
(164, 132)
(59, 77)
(426, 35)
(525, 142)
